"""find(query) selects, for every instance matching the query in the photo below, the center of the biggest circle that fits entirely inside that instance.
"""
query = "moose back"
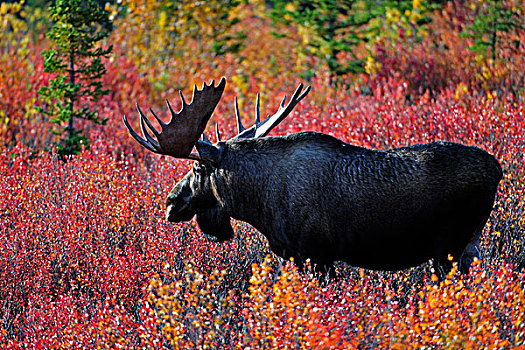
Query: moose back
(316, 197)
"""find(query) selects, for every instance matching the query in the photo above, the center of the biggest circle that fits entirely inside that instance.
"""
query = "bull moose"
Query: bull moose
(316, 197)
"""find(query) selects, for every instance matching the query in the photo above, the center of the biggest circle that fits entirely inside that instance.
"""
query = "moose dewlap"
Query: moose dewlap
(316, 197)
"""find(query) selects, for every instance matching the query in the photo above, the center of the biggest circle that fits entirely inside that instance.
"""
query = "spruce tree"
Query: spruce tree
(493, 17)
(76, 59)
(332, 27)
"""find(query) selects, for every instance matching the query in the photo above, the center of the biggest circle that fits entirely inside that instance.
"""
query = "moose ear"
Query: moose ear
(208, 152)
(215, 222)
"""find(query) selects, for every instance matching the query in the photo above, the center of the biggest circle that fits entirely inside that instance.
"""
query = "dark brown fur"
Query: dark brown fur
(314, 196)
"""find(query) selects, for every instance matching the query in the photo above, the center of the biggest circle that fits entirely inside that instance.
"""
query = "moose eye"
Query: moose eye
(197, 169)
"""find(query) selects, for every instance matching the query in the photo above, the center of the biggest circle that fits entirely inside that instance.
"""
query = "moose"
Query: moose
(316, 197)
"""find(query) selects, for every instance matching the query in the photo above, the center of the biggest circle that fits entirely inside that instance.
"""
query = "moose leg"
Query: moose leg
(471, 251)
(468, 255)
(328, 270)
(442, 267)
(325, 272)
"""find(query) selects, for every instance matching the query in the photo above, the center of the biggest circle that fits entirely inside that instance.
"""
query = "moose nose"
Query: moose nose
(171, 210)
(177, 211)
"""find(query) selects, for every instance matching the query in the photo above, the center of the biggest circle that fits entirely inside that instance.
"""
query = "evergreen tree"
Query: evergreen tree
(76, 59)
(493, 17)
(331, 27)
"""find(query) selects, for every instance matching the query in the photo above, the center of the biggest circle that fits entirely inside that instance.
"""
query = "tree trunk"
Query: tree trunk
(71, 102)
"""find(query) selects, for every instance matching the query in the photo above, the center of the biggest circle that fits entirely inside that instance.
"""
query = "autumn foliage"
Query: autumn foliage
(87, 259)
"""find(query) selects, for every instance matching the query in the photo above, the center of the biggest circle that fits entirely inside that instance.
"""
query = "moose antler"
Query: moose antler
(261, 129)
(183, 131)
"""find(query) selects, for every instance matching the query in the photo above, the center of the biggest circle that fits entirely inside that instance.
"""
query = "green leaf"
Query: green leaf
(75, 60)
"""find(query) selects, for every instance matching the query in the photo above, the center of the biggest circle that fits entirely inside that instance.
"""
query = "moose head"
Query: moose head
(197, 193)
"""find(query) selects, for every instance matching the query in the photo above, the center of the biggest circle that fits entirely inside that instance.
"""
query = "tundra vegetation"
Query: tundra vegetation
(88, 259)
